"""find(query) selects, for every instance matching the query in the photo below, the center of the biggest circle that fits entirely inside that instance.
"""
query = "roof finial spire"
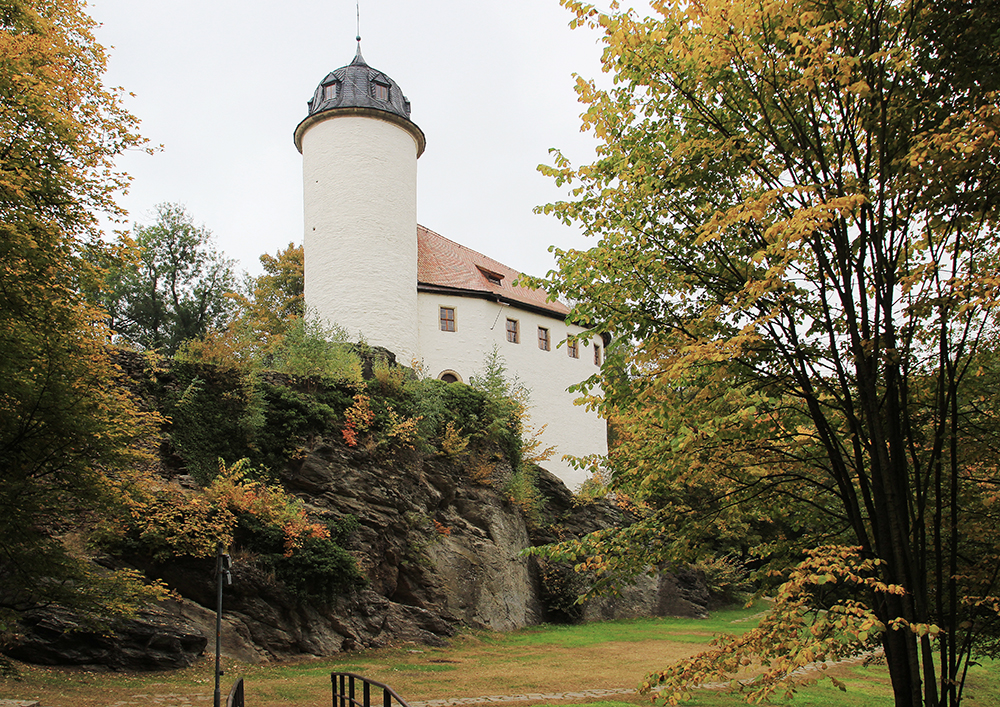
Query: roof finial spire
(358, 59)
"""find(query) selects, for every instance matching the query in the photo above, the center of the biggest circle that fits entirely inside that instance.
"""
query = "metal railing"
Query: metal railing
(344, 694)
(235, 698)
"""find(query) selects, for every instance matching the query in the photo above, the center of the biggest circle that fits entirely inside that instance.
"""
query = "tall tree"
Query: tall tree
(278, 294)
(66, 428)
(797, 206)
(175, 290)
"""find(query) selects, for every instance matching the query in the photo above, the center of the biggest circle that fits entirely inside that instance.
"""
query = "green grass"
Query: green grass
(431, 668)
(635, 630)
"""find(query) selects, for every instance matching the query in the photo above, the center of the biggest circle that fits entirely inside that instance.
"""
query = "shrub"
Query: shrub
(294, 418)
(215, 414)
(312, 349)
(560, 588)
(317, 568)
(727, 579)
(270, 526)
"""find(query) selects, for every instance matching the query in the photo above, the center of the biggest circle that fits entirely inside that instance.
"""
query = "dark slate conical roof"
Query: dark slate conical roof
(359, 86)
(359, 89)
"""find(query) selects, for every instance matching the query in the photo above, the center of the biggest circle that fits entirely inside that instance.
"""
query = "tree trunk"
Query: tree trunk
(900, 649)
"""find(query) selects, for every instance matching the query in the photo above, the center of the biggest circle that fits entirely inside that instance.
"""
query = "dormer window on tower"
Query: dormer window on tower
(330, 90)
(380, 91)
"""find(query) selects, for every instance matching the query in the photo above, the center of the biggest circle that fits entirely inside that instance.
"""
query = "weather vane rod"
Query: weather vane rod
(357, 7)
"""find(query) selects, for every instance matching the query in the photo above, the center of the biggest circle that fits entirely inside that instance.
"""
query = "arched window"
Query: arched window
(450, 377)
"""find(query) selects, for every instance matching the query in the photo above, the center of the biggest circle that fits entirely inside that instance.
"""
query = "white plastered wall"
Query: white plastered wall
(360, 208)
(480, 324)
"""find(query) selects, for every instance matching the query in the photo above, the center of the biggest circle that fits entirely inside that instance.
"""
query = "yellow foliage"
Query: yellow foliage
(403, 431)
(453, 443)
(71, 434)
(171, 522)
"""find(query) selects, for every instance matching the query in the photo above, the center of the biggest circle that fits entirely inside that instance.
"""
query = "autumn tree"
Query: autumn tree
(66, 428)
(277, 295)
(797, 207)
(175, 288)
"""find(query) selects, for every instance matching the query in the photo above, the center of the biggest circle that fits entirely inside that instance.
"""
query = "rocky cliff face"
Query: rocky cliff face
(439, 549)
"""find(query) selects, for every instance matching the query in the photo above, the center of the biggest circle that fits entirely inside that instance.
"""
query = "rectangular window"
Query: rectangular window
(597, 355)
(572, 348)
(513, 333)
(330, 91)
(381, 91)
(543, 338)
(447, 319)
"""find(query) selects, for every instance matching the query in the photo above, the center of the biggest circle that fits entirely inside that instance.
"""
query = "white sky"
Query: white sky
(221, 84)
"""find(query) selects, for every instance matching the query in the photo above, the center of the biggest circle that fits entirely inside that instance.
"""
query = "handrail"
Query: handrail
(345, 695)
(235, 698)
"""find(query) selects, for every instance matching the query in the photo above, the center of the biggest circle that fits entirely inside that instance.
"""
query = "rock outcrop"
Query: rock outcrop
(158, 639)
(439, 549)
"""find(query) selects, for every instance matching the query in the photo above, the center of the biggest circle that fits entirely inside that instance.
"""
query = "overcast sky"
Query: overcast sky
(221, 84)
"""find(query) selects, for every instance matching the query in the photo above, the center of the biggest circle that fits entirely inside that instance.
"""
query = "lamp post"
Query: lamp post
(222, 574)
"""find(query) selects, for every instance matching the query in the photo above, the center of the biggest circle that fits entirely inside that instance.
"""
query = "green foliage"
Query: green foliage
(269, 329)
(468, 409)
(310, 348)
(318, 569)
(523, 490)
(67, 429)
(175, 290)
(214, 414)
(794, 634)
(507, 404)
(295, 417)
(229, 413)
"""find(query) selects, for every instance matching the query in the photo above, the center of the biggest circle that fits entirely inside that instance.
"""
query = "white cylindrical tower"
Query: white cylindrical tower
(359, 168)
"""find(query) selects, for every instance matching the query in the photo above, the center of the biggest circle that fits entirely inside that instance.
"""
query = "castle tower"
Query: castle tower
(359, 169)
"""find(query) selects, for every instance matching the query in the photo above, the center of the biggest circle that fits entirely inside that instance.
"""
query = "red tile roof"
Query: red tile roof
(446, 266)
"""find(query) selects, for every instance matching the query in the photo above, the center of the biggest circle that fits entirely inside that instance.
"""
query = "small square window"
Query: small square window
(597, 355)
(513, 332)
(447, 319)
(330, 91)
(543, 338)
(381, 91)
(572, 348)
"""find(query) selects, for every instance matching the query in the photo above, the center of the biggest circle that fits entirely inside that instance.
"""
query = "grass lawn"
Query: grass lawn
(542, 659)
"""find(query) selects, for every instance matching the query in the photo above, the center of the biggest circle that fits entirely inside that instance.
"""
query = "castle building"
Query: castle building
(370, 268)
